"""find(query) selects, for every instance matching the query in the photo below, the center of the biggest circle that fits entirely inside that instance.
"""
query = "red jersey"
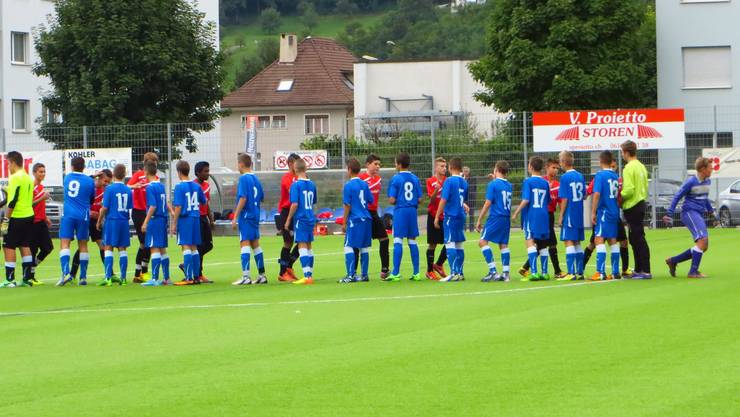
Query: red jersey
(139, 177)
(97, 203)
(434, 201)
(554, 200)
(206, 187)
(39, 210)
(285, 183)
(373, 181)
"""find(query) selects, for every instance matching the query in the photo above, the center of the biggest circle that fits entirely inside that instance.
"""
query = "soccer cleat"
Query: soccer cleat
(169, 282)
(25, 283)
(291, 273)
(393, 278)
(459, 277)
(242, 281)
(123, 282)
(303, 281)
(64, 280)
(415, 277)
(696, 274)
(203, 280)
(671, 267)
(439, 269)
(286, 277)
(138, 280)
(627, 273)
(641, 275)
(363, 278)
(535, 277)
(580, 277)
(82, 282)
(114, 279)
(545, 277)
(347, 280)
(184, 282)
(151, 283)
(384, 275)
(524, 272)
(505, 277)
(616, 276)
(261, 279)
(34, 282)
(488, 278)
(431, 275)
(609, 277)
(105, 283)
(566, 277)
(7, 284)
(596, 277)
(560, 275)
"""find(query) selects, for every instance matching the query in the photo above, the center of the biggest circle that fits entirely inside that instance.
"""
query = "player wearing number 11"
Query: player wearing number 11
(186, 222)
(113, 221)
(571, 193)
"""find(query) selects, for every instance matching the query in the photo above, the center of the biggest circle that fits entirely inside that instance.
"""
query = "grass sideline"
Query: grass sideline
(622, 348)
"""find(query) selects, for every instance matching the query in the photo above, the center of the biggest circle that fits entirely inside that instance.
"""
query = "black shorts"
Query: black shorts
(206, 234)
(138, 217)
(282, 227)
(553, 239)
(20, 231)
(95, 234)
(41, 238)
(435, 236)
(379, 231)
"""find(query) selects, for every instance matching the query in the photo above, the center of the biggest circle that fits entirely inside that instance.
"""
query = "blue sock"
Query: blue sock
(246, 253)
(460, 258)
(310, 260)
(123, 264)
(696, 255)
(84, 262)
(615, 259)
(579, 260)
(156, 263)
(505, 259)
(570, 259)
(349, 260)
(166, 267)
(187, 262)
(108, 264)
(195, 260)
(397, 255)
(365, 261)
(452, 258)
(544, 258)
(683, 256)
(64, 261)
(259, 259)
(532, 256)
(414, 249)
(488, 256)
(305, 257)
(601, 259)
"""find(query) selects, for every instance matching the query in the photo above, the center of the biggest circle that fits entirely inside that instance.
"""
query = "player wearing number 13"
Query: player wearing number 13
(571, 193)
(188, 198)
(79, 192)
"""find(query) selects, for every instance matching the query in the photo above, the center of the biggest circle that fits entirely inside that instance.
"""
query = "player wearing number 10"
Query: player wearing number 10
(186, 222)
(571, 193)
(605, 215)
(302, 199)
(113, 221)
(79, 192)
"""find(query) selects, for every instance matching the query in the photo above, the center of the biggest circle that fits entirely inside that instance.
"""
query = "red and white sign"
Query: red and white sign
(597, 130)
(316, 159)
(52, 160)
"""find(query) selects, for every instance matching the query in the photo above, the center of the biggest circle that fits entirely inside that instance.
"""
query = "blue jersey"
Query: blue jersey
(189, 197)
(303, 193)
(357, 196)
(499, 194)
(157, 198)
(117, 200)
(606, 183)
(250, 188)
(79, 192)
(406, 189)
(573, 189)
(536, 190)
(455, 192)
(695, 194)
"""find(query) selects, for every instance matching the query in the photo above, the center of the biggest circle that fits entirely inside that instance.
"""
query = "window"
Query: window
(19, 47)
(317, 124)
(285, 85)
(705, 1)
(48, 116)
(695, 142)
(20, 115)
(349, 80)
(263, 122)
(707, 67)
(279, 122)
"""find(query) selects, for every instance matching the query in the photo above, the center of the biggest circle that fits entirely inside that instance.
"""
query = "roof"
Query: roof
(318, 74)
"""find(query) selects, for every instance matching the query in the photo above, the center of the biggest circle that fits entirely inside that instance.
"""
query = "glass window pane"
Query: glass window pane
(19, 115)
(19, 47)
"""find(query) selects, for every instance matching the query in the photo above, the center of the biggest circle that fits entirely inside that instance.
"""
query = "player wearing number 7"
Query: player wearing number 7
(571, 193)
(186, 221)
(605, 216)
(113, 222)
(249, 196)
(79, 193)
(155, 226)
(357, 225)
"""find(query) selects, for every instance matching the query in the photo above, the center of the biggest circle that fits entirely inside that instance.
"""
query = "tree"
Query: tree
(113, 64)
(309, 17)
(563, 55)
(268, 51)
(270, 21)
(346, 7)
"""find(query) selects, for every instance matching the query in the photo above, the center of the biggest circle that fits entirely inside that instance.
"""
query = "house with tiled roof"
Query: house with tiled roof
(308, 91)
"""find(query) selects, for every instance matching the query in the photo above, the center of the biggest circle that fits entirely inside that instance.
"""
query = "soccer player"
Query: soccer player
(247, 213)
(20, 225)
(435, 236)
(605, 216)
(373, 180)
(405, 193)
(535, 223)
(552, 167)
(287, 256)
(79, 193)
(303, 197)
(498, 225)
(41, 244)
(102, 179)
(138, 183)
(452, 203)
(113, 222)
(571, 194)
(357, 224)
(695, 195)
(202, 174)
(155, 226)
(188, 198)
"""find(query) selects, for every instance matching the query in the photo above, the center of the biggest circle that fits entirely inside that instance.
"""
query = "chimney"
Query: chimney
(288, 48)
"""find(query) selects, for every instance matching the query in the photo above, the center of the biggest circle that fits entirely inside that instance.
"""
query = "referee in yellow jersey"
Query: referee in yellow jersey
(20, 213)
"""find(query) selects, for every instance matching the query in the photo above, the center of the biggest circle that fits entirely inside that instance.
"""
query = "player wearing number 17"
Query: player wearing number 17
(113, 222)
(535, 218)
(571, 193)
(155, 226)
(605, 216)
(302, 199)
(452, 204)
(79, 193)
(188, 198)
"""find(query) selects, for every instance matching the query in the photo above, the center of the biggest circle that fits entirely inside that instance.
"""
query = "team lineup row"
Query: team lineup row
(96, 209)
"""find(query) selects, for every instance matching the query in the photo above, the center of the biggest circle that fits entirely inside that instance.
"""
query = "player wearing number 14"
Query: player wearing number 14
(187, 201)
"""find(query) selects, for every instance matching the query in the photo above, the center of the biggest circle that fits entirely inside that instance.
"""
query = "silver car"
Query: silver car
(729, 205)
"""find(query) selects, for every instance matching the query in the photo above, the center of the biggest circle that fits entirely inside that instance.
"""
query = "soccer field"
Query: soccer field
(665, 347)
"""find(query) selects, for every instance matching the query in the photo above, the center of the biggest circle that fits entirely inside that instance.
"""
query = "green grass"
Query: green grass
(240, 41)
(666, 347)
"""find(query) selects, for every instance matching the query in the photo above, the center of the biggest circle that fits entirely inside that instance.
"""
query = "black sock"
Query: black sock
(357, 259)
(526, 265)
(200, 266)
(139, 255)
(384, 255)
(283, 261)
(586, 255)
(145, 260)
(102, 256)
(442, 256)
(75, 264)
(9, 272)
(430, 259)
(27, 266)
(624, 253)
(553, 251)
(293, 256)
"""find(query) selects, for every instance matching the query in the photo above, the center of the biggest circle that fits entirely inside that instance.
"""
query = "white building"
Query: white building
(20, 89)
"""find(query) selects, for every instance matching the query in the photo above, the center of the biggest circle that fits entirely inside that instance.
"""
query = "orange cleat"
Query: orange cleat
(291, 273)
(596, 277)
(286, 277)
(184, 282)
(204, 280)
(303, 281)
(440, 270)
(432, 276)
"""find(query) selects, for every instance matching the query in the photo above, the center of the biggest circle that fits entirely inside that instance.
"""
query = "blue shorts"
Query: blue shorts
(606, 229)
(572, 233)
(497, 230)
(530, 234)
(405, 223)
(359, 233)
(249, 229)
(694, 221)
(74, 228)
(156, 233)
(116, 233)
(188, 231)
(454, 229)
(302, 232)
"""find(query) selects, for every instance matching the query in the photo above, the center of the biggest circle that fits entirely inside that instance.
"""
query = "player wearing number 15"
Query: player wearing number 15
(498, 225)
(113, 221)
(605, 215)
(79, 193)
(186, 222)
(571, 193)
(405, 193)
(302, 199)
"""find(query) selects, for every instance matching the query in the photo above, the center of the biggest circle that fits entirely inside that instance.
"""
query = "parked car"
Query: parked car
(729, 205)
(53, 210)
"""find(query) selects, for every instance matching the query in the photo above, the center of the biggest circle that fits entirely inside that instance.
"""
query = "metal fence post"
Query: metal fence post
(433, 140)
(714, 133)
(2, 140)
(656, 179)
(524, 136)
(169, 161)
(344, 143)
(84, 136)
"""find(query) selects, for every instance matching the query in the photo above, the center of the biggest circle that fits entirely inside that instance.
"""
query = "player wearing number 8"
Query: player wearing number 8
(571, 193)
(187, 201)
(404, 192)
